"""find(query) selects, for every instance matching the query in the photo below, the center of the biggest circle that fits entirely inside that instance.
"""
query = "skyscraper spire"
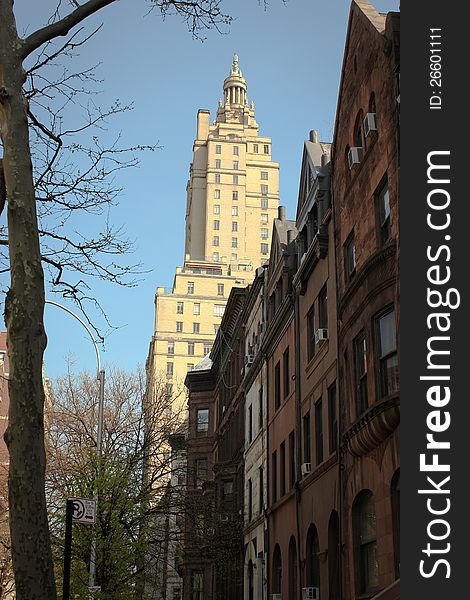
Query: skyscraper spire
(235, 86)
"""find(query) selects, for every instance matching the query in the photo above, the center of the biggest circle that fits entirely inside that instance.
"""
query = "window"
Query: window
(215, 240)
(250, 424)
(307, 438)
(196, 308)
(190, 348)
(264, 219)
(216, 328)
(207, 348)
(383, 202)
(264, 189)
(217, 225)
(319, 431)
(261, 489)
(201, 471)
(179, 326)
(264, 248)
(216, 209)
(234, 242)
(220, 289)
(350, 258)
(255, 148)
(169, 390)
(286, 372)
(277, 386)
(234, 226)
(219, 309)
(215, 256)
(311, 334)
(365, 541)
(218, 149)
(169, 369)
(358, 139)
(217, 194)
(260, 408)
(264, 175)
(234, 257)
(266, 148)
(217, 178)
(179, 308)
(196, 327)
(189, 366)
(282, 468)
(190, 287)
(250, 500)
(235, 150)
(264, 203)
(202, 422)
(292, 477)
(387, 354)
(360, 362)
(274, 475)
(197, 585)
(171, 348)
(323, 309)
(235, 195)
(228, 488)
(218, 163)
(235, 165)
(234, 211)
(235, 179)
(332, 419)
(264, 233)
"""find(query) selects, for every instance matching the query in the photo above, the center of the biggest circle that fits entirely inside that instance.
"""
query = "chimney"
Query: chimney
(281, 213)
(203, 117)
(290, 235)
(313, 136)
(324, 160)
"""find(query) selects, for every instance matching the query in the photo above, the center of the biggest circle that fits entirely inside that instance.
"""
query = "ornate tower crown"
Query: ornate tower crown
(235, 86)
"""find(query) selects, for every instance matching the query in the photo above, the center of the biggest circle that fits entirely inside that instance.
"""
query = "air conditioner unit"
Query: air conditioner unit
(249, 358)
(321, 335)
(306, 468)
(276, 596)
(311, 593)
(355, 155)
(370, 125)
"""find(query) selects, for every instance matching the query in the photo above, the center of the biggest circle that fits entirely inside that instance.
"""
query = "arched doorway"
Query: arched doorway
(277, 571)
(292, 569)
(312, 563)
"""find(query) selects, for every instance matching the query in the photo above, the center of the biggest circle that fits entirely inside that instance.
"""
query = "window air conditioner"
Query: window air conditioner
(306, 468)
(321, 335)
(369, 124)
(249, 358)
(355, 155)
(311, 593)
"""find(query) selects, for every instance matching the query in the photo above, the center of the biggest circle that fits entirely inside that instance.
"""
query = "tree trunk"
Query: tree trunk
(26, 338)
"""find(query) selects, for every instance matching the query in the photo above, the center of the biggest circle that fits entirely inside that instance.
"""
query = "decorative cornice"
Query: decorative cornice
(374, 426)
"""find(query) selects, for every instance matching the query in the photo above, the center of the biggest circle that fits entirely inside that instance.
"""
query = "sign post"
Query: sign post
(78, 510)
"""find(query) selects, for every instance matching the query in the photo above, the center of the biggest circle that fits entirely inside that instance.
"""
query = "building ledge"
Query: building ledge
(373, 427)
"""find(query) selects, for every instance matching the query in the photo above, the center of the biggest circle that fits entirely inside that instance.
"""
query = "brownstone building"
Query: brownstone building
(365, 200)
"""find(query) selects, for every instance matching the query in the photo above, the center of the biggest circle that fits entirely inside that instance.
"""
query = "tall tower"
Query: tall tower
(232, 197)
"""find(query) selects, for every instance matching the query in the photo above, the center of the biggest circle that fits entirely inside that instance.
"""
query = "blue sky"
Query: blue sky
(290, 55)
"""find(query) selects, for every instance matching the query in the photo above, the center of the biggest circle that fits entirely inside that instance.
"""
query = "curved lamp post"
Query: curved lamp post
(100, 377)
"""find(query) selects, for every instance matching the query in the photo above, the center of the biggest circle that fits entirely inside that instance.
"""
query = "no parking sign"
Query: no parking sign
(84, 511)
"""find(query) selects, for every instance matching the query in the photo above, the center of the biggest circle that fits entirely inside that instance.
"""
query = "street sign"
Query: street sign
(84, 511)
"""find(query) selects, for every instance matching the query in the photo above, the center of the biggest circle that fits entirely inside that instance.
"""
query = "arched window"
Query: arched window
(395, 497)
(372, 106)
(292, 568)
(346, 160)
(333, 556)
(312, 563)
(365, 542)
(277, 571)
(358, 133)
(251, 581)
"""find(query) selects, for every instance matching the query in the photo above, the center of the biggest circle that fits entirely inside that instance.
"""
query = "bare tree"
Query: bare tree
(135, 471)
(24, 306)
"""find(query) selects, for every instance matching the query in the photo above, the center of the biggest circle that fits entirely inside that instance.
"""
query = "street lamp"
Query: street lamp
(99, 443)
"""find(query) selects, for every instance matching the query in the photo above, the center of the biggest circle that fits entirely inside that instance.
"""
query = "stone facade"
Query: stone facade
(232, 198)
